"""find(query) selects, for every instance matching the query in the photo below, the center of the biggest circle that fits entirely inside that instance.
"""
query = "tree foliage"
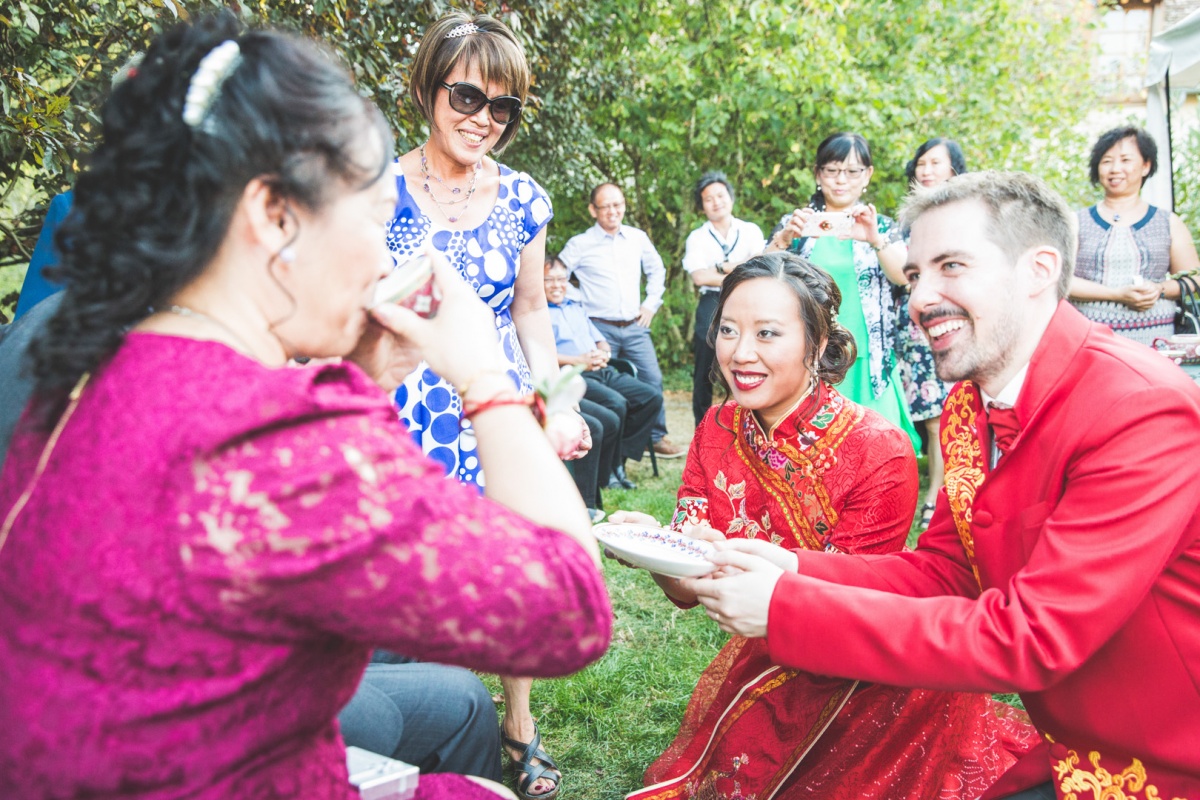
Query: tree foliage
(663, 90)
(647, 93)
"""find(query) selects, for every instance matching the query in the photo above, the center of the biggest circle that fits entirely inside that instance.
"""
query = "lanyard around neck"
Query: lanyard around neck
(725, 251)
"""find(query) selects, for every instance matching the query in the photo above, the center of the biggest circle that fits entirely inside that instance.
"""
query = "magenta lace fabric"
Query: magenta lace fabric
(194, 587)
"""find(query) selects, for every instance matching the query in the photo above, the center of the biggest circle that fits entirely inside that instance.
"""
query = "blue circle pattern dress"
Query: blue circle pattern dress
(489, 257)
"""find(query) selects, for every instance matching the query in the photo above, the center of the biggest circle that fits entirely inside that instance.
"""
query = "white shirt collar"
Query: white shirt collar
(734, 226)
(605, 234)
(1009, 394)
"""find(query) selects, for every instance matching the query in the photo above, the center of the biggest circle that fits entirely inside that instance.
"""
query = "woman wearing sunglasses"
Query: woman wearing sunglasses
(469, 81)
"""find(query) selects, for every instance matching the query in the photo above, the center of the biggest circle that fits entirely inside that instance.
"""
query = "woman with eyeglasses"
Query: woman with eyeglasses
(863, 251)
(935, 162)
(469, 80)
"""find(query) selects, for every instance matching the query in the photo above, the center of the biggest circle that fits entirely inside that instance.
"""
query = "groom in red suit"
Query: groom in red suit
(1063, 561)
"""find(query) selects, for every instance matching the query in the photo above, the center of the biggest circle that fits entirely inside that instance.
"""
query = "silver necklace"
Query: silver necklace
(184, 311)
(1113, 211)
(466, 201)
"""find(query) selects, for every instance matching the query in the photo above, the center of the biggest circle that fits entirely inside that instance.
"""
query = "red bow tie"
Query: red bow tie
(1004, 425)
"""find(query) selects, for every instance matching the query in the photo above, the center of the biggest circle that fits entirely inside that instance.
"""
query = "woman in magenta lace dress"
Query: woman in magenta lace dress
(200, 545)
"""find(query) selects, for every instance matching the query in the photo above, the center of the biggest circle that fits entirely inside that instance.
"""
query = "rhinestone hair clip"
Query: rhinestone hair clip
(205, 85)
(466, 29)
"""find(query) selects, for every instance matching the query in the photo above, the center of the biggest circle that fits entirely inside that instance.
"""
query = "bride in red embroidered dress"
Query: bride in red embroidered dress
(793, 462)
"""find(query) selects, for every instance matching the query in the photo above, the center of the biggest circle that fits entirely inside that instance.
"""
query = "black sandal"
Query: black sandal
(927, 514)
(529, 773)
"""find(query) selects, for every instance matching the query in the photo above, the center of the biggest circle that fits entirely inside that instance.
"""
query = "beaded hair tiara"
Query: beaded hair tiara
(466, 29)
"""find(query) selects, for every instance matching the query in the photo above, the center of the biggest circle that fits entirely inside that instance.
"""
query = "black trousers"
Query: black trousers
(637, 404)
(601, 460)
(704, 357)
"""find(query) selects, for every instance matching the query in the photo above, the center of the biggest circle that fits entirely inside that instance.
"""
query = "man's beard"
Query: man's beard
(976, 360)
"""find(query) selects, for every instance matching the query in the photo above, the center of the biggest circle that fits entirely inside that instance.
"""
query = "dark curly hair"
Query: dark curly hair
(158, 196)
(818, 298)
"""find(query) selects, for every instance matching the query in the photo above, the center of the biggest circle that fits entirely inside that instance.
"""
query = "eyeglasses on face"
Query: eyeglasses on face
(467, 98)
(556, 279)
(850, 172)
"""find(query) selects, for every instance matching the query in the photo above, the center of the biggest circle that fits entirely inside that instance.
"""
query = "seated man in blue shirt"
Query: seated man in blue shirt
(636, 404)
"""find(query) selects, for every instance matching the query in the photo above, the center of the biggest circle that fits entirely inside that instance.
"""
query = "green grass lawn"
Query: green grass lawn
(606, 724)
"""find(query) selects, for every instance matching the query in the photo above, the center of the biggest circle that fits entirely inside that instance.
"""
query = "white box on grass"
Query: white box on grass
(380, 778)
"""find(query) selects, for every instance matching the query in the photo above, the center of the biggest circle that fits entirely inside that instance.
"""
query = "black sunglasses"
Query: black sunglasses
(466, 98)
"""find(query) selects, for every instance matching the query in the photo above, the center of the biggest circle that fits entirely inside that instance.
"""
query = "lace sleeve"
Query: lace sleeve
(336, 524)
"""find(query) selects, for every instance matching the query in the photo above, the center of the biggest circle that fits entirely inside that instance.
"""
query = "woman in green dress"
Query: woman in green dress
(863, 251)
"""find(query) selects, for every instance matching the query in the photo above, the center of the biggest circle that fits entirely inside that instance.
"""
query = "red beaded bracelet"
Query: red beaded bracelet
(534, 401)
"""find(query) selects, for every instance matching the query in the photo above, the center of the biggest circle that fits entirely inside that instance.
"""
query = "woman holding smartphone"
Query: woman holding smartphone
(862, 250)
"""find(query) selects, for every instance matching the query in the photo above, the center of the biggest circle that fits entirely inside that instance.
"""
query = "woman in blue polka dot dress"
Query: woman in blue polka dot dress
(489, 221)
(469, 79)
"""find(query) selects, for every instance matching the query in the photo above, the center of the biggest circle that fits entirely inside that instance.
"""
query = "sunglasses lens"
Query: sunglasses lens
(505, 109)
(466, 99)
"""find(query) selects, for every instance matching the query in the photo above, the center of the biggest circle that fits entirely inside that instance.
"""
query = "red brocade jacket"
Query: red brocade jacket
(1070, 573)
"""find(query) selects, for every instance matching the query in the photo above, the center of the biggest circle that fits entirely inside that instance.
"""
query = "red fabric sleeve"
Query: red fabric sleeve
(1129, 495)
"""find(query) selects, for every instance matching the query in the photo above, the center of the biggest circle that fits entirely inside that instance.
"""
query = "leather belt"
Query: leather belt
(616, 323)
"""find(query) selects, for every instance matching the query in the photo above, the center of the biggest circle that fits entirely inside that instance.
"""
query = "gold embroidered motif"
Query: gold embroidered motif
(810, 514)
(1100, 784)
(963, 452)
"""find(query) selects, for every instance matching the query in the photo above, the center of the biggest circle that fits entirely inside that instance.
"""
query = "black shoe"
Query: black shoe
(620, 480)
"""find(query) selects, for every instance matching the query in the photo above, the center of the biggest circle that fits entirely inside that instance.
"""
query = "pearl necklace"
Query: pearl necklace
(466, 201)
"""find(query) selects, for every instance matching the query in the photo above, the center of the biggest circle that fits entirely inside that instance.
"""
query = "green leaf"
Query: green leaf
(31, 20)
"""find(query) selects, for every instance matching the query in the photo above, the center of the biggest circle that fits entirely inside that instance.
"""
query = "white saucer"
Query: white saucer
(659, 550)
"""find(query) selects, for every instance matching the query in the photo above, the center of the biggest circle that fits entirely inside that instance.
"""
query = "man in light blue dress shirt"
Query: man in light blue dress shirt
(635, 403)
(609, 260)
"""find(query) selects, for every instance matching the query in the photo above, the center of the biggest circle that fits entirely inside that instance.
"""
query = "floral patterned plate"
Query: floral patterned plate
(659, 550)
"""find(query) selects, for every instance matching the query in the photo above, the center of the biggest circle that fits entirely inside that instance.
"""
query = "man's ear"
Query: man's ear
(1044, 265)
(269, 219)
